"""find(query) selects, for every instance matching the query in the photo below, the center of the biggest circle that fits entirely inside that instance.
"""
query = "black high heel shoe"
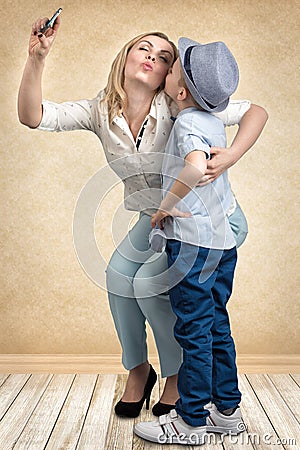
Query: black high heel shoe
(133, 409)
(159, 409)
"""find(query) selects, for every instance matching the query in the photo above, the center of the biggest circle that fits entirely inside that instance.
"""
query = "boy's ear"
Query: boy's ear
(182, 93)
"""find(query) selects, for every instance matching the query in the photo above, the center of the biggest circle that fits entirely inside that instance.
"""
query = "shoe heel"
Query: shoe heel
(133, 409)
(148, 401)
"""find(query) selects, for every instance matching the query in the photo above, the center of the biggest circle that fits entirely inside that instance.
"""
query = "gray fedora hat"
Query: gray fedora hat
(210, 72)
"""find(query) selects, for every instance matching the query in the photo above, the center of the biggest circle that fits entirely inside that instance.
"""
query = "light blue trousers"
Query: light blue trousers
(137, 284)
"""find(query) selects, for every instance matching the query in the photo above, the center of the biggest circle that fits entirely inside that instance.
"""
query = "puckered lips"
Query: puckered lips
(147, 66)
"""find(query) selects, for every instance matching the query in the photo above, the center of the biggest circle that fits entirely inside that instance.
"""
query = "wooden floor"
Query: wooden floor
(44, 411)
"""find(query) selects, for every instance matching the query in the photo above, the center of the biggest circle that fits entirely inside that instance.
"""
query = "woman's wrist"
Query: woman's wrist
(164, 207)
(36, 63)
(235, 153)
(168, 203)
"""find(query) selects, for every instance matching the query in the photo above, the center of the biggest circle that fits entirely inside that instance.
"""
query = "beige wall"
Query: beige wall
(48, 304)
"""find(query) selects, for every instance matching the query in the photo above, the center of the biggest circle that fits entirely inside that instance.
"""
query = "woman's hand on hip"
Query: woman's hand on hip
(221, 160)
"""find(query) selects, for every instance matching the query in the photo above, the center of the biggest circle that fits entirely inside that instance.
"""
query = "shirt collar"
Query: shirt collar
(188, 110)
(156, 102)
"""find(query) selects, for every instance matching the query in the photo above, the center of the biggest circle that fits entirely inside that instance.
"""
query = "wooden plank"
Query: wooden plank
(10, 390)
(289, 390)
(39, 427)
(68, 427)
(120, 430)
(257, 422)
(3, 378)
(95, 427)
(18, 414)
(240, 442)
(161, 384)
(283, 421)
(296, 377)
(270, 402)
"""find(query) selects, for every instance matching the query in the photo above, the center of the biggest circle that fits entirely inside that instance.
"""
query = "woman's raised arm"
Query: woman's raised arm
(30, 92)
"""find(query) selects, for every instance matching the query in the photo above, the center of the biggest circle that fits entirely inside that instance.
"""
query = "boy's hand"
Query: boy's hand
(221, 160)
(160, 215)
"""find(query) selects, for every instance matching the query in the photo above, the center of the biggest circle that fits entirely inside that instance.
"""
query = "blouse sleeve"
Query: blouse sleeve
(234, 112)
(67, 116)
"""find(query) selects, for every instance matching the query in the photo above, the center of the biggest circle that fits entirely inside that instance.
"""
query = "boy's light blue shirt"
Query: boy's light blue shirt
(208, 226)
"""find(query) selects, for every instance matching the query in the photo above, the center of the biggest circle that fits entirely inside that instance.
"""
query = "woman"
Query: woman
(131, 117)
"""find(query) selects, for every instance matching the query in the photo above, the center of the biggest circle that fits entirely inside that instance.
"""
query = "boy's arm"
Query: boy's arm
(250, 128)
(188, 178)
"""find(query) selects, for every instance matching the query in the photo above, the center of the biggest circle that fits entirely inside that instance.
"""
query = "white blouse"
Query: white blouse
(139, 168)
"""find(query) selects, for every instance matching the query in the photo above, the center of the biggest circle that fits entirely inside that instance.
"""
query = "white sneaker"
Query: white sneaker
(220, 423)
(170, 429)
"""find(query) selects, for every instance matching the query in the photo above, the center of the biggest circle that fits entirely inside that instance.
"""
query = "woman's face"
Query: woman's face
(148, 62)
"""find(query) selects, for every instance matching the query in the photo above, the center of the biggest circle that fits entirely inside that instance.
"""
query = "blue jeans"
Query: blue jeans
(208, 371)
(137, 284)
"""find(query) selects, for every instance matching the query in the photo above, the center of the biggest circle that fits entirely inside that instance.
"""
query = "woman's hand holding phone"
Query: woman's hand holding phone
(30, 109)
(40, 43)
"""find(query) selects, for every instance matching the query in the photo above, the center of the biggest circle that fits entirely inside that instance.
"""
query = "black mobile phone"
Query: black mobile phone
(51, 21)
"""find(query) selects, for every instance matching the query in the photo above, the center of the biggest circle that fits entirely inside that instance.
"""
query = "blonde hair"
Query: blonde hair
(115, 96)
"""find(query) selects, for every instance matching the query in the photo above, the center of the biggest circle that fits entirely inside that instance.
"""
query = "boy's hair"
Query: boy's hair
(115, 95)
(182, 83)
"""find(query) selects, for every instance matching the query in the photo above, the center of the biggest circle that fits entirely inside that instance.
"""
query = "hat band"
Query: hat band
(187, 66)
(187, 63)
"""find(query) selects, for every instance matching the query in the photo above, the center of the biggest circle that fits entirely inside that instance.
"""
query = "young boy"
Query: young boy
(201, 250)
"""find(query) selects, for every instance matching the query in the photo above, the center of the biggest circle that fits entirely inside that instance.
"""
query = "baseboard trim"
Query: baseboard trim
(50, 363)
